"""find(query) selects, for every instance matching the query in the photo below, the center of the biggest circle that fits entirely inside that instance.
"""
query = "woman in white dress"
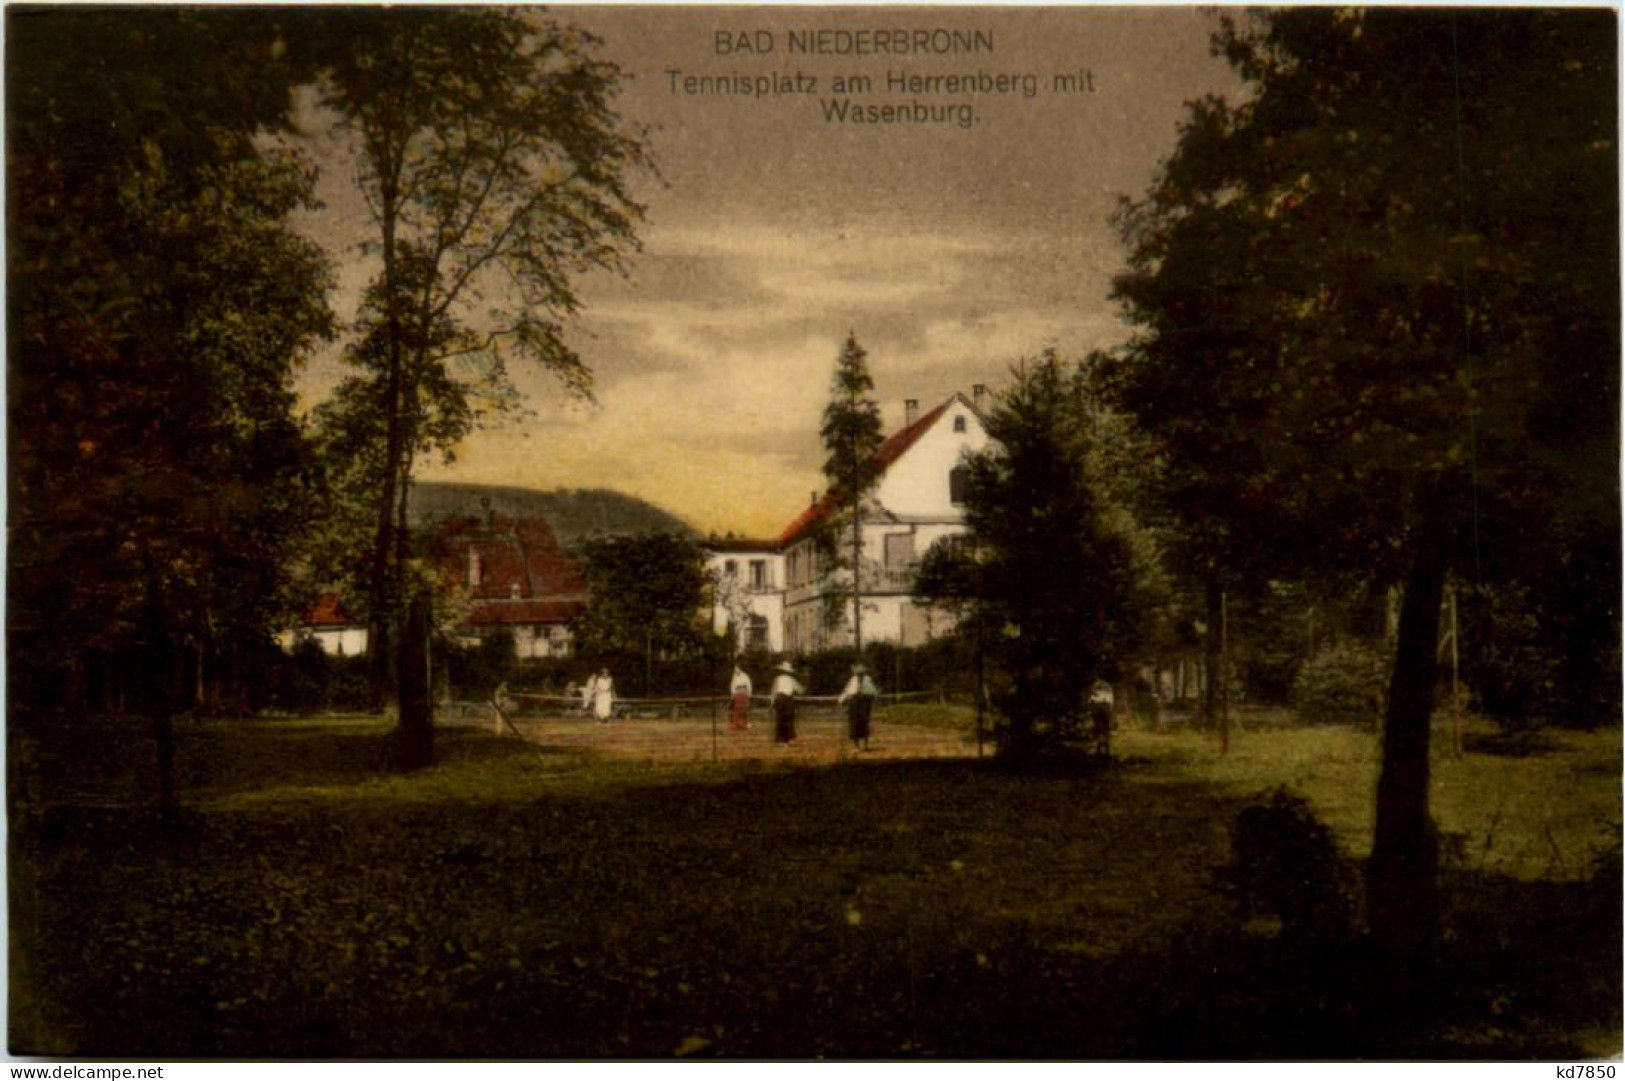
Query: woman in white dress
(600, 696)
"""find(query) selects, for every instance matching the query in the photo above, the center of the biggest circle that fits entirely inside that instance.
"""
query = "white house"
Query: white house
(917, 502)
(748, 577)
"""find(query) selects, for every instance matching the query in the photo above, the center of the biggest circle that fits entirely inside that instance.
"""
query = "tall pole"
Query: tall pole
(981, 684)
(1455, 675)
(857, 584)
(857, 532)
(1224, 674)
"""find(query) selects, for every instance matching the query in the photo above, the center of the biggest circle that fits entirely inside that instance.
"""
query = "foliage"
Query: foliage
(1514, 674)
(159, 304)
(946, 665)
(307, 681)
(471, 673)
(495, 171)
(1031, 509)
(1319, 331)
(648, 595)
(1363, 327)
(851, 427)
(1537, 649)
(1286, 865)
(851, 435)
(1340, 685)
(1269, 640)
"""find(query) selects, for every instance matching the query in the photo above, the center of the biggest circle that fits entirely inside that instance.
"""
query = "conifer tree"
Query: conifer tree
(851, 434)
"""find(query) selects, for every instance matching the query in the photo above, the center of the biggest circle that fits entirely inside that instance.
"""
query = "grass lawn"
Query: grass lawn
(616, 892)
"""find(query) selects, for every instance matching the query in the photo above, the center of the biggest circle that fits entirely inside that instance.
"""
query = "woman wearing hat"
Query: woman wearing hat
(785, 689)
(859, 699)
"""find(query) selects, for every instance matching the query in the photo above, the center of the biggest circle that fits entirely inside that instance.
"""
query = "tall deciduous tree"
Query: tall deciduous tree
(1377, 302)
(1048, 580)
(158, 304)
(495, 171)
(851, 434)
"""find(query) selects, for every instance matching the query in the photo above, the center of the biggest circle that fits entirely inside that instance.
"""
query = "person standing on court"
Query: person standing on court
(739, 707)
(785, 689)
(600, 695)
(859, 699)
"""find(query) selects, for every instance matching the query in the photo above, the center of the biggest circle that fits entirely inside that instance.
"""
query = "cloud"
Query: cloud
(949, 253)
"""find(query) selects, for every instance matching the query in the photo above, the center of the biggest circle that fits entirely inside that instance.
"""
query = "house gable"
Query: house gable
(914, 466)
(917, 483)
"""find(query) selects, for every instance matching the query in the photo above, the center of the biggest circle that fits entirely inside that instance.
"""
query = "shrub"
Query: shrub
(946, 664)
(1286, 865)
(306, 677)
(1340, 685)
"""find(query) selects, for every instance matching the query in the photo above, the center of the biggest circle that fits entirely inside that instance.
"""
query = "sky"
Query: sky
(951, 247)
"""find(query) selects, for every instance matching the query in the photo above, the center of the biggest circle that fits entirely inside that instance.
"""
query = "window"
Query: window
(958, 478)
(959, 424)
(730, 568)
(899, 552)
(756, 633)
(758, 574)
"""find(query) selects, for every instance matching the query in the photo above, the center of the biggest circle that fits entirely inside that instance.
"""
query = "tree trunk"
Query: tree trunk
(383, 581)
(162, 676)
(1402, 875)
(163, 738)
(415, 728)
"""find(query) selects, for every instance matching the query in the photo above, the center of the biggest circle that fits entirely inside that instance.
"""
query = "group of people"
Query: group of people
(597, 697)
(858, 697)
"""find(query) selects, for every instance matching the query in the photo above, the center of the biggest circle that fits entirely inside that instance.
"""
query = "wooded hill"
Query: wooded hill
(574, 513)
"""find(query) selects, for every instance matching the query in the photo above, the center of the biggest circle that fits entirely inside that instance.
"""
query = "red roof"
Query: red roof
(516, 559)
(524, 577)
(891, 450)
(503, 613)
(329, 611)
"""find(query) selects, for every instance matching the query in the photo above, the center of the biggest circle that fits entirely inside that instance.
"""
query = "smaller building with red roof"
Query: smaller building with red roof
(499, 574)
(330, 625)
(511, 575)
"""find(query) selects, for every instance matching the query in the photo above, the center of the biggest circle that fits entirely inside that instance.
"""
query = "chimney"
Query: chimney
(978, 391)
(490, 515)
(812, 499)
(911, 411)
